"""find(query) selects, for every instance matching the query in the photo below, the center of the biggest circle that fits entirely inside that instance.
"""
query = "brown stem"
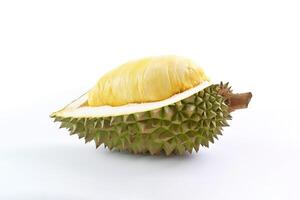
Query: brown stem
(234, 101)
(238, 101)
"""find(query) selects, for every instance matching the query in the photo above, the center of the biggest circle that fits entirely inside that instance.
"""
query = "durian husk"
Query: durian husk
(177, 128)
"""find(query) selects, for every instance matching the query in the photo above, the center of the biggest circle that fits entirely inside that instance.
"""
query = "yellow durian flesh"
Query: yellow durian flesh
(146, 80)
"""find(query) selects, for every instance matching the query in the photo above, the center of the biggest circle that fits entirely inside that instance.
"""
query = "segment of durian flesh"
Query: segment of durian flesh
(146, 80)
(139, 86)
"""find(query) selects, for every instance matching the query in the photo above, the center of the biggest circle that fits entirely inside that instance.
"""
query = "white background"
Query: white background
(53, 51)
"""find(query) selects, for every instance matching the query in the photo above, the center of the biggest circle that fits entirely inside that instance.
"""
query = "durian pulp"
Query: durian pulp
(146, 80)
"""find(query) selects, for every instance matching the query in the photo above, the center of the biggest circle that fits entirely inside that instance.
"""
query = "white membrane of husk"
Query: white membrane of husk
(79, 109)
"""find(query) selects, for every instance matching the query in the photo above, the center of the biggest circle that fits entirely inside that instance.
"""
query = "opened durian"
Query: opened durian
(152, 105)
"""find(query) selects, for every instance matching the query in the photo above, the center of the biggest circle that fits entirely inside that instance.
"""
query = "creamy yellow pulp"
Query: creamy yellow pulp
(146, 80)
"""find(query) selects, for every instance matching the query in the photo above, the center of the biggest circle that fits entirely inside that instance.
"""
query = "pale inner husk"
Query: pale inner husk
(78, 109)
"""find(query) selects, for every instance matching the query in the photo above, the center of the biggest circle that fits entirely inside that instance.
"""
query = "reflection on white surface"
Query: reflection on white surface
(74, 172)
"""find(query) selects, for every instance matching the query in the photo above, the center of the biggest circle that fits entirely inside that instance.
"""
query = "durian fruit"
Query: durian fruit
(153, 105)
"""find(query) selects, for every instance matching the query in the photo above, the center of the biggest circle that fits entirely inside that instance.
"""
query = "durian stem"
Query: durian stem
(238, 100)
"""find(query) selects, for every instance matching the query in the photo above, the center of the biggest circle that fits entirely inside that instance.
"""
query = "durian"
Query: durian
(154, 105)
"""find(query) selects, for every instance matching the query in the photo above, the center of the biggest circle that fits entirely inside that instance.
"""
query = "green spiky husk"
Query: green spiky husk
(177, 128)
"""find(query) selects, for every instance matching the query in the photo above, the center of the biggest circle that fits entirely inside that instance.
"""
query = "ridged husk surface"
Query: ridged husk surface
(177, 128)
